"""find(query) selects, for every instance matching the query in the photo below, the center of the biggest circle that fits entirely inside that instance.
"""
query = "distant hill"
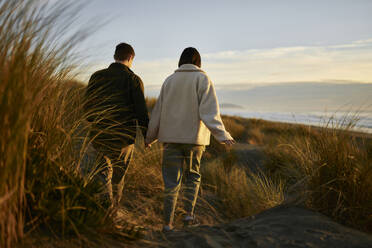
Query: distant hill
(299, 96)
(231, 106)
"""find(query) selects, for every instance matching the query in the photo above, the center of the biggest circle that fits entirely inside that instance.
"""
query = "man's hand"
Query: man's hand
(147, 145)
(228, 142)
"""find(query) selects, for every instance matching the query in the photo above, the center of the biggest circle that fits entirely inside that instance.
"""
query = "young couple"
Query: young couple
(185, 114)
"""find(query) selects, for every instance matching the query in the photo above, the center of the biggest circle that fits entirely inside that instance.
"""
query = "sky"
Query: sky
(241, 42)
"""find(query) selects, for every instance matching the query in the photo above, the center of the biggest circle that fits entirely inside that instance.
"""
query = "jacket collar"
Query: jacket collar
(117, 65)
(188, 67)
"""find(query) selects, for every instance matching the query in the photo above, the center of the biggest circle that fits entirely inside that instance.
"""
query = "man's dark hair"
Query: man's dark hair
(190, 56)
(123, 51)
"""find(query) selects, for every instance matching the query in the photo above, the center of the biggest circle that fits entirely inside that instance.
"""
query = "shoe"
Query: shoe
(167, 229)
(190, 222)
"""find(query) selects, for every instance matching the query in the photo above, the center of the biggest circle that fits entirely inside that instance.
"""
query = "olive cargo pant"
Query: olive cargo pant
(180, 160)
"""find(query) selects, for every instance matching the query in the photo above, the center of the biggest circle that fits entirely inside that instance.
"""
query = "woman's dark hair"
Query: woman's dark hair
(123, 51)
(190, 56)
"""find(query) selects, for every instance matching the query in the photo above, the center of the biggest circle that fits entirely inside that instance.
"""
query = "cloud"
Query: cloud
(344, 62)
(348, 62)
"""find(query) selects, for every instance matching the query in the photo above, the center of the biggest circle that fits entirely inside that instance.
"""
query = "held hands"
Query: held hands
(225, 142)
(229, 142)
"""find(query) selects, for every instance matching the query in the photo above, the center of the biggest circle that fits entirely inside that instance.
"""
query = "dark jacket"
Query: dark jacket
(115, 104)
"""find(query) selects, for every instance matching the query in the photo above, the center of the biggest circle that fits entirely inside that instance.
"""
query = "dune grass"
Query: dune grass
(40, 115)
(330, 170)
(326, 168)
(242, 192)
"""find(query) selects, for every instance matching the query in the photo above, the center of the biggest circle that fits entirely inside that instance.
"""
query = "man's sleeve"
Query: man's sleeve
(140, 107)
(209, 111)
(153, 131)
(90, 99)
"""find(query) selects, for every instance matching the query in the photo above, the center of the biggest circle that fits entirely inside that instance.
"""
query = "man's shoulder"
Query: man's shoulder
(132, 74)
(117, 74)
(135, 78)
(99, 73)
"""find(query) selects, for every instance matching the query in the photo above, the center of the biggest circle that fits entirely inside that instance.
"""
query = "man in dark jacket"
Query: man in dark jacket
(115, 106)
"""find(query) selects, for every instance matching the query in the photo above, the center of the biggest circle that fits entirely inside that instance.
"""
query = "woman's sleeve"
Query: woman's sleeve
(209, 111)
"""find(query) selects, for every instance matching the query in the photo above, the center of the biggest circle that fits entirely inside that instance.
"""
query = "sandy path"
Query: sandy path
(282, 227)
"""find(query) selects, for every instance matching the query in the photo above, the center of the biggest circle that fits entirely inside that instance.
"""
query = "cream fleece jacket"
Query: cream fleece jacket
(187, 110)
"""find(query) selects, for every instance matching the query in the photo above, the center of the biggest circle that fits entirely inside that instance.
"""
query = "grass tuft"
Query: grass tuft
(330, 169)
(244, 193)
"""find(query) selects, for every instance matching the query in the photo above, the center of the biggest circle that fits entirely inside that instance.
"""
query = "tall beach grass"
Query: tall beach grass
(40, 184)
(329, 169)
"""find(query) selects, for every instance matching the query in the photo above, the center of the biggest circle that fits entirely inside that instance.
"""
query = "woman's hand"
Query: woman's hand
(149, 144)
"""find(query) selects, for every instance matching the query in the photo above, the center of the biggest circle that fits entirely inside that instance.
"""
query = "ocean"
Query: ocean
(305, 103)
(363, 120)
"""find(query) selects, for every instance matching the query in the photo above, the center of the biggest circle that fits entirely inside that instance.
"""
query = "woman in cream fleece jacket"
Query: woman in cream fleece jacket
(185, 115)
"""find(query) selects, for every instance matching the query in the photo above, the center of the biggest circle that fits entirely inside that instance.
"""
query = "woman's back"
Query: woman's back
(187, 110)
(179, 118)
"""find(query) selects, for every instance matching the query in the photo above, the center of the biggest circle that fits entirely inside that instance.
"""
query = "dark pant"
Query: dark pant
(115, 163)
(181, 160)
